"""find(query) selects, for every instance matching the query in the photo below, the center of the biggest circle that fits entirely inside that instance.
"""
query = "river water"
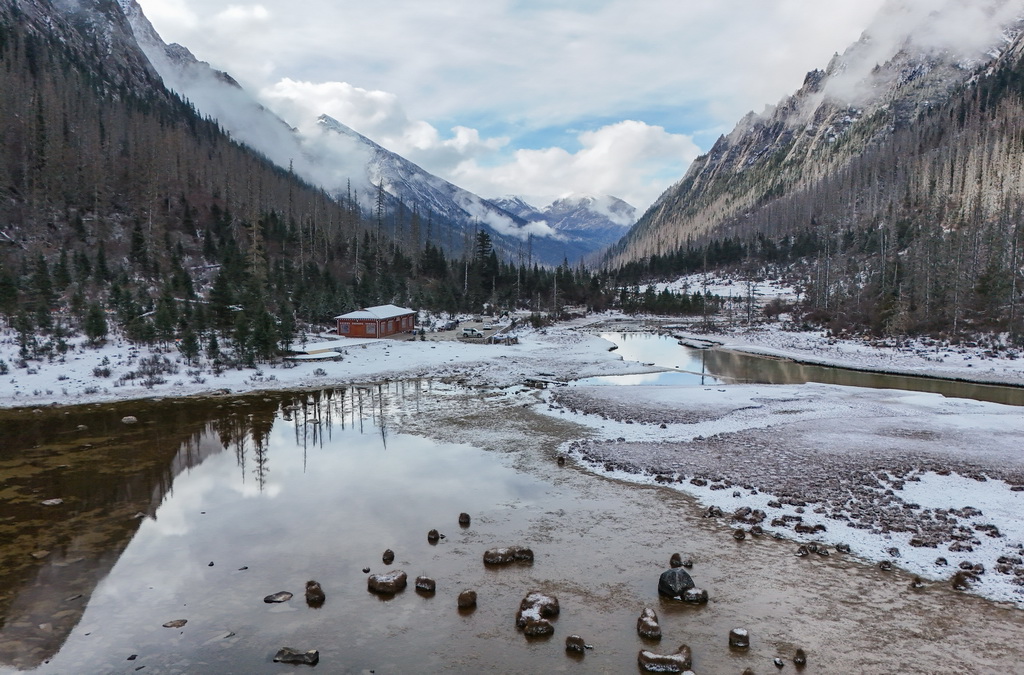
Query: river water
(205, 506)
(716, 366)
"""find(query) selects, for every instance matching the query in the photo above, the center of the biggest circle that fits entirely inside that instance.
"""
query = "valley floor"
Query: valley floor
(902, 477)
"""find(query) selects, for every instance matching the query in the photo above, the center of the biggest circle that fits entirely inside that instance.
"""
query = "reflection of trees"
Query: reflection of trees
(260, 432)
(108, 472)
(110, 476)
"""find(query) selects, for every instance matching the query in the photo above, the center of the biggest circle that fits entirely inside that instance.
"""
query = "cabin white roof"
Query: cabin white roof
(378, 312)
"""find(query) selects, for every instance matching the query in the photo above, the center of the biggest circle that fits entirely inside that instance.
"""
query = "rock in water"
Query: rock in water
(314, 594)
(536, 606)
(467, 600)
(283, 596)
(425, 585)
(290, 655)
(647, 625)
(739, 638)
(388, 557)
(464, 519)
(129, 419)
(575, 643)
(674, 582)
(387, 584)
(676, 560)
(695, 596)
(508, 554)
(177, 623)
(800, 659)
(433, 536)
(538, 628)
(666, 663)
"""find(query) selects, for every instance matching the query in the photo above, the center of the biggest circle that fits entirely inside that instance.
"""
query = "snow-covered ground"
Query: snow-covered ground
(909, 478)
(86, 374)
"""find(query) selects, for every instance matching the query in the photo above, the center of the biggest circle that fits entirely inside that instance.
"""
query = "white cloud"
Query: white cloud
(631, 160)
(243, 15)
(171, 16)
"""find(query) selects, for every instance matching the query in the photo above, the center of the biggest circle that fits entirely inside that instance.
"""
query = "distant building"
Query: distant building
(376, 322)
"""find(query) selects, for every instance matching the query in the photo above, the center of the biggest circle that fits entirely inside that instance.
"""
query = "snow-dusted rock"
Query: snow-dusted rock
(387, 584)
(647, 625)
(678, 662)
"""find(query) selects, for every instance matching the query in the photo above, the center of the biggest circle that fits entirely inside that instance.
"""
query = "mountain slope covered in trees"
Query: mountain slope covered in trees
(122, 208)
(899, 212)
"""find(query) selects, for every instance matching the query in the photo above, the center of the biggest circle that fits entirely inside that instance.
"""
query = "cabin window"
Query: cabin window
(344, 328)
(371, 329)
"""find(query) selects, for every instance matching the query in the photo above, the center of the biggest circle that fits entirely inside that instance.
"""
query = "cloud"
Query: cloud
(243, 16)
(966, 30)
(171, 16)
(630, 159)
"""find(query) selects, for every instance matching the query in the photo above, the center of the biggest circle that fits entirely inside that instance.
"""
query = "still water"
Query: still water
(204, 507)
(717, 366)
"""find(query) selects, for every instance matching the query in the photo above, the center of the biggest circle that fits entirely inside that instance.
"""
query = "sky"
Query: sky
(528, 97)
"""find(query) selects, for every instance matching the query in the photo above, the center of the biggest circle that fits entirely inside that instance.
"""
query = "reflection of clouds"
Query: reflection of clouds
(661, 350)
(329, 504)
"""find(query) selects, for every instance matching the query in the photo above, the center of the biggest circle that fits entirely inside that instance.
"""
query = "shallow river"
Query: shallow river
(204, 507)
(714, 366)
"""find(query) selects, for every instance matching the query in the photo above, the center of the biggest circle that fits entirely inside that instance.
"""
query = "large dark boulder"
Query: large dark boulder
(674, 582)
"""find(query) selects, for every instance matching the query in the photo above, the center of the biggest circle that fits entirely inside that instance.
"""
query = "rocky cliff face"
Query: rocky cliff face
(896, 73)
(93, 31)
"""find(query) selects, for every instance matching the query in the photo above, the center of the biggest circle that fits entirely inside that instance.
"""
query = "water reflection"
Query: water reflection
(715, 366)
(222, 505)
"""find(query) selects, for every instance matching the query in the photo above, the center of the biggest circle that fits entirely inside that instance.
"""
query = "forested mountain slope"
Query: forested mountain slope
(122, 208)
(900, 213)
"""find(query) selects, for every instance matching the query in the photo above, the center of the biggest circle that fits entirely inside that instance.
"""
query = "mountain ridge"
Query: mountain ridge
(837, 113)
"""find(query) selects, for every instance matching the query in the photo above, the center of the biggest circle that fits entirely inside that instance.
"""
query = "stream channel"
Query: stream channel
(207, 505)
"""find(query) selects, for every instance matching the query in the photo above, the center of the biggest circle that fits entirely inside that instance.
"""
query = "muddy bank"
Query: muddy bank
(870, 468)
(606, 552)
